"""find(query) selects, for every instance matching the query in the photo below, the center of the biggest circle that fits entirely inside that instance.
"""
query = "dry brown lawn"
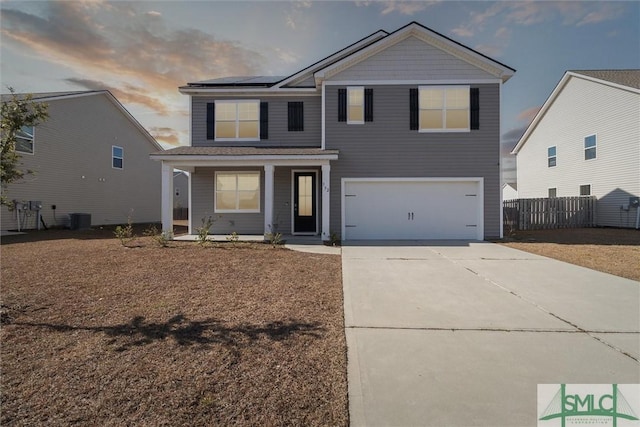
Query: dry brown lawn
(94, 333)
(611, 250)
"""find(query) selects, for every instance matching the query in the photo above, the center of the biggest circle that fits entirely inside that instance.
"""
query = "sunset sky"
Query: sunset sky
(143, 50)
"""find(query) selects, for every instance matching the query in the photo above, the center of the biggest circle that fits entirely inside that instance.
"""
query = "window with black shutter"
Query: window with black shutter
(342, 105)
(264, 120)
(211, 114)
(474, 109)
(413, 109)
(296, 116)
(368, 105)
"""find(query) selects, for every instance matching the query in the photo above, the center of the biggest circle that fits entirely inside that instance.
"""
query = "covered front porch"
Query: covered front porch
(251, 191)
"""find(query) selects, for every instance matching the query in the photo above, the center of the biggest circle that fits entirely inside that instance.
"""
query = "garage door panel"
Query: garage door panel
(411, 209)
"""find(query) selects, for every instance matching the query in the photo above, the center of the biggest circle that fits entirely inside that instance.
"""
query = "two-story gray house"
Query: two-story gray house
(396, 136)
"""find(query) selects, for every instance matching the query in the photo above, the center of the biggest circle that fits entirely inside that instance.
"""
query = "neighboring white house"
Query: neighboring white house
(585, 140)
(509, 191)
(89, 157)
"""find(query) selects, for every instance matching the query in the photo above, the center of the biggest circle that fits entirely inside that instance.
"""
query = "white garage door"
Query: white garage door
(412, 209)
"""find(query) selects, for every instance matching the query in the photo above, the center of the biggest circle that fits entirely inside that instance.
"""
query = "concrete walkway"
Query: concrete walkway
(461, 334)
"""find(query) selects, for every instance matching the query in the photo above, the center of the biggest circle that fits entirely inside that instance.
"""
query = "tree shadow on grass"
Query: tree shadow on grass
(185, 332)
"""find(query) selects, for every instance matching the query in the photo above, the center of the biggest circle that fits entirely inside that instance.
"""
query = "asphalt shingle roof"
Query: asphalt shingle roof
(630, 78)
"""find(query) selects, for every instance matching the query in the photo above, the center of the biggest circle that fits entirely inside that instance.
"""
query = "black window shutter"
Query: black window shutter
(211, 114)
(474, 98)
(264, 120)
(296, 116)
(368, 105)
(342, 105)
(413, 108)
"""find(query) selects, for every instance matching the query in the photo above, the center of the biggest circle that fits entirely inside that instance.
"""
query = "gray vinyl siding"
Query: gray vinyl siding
(73, 170)
(279, 135)
(387, 148)
(412, 59)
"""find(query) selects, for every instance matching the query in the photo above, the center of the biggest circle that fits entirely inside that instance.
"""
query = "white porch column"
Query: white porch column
(326, 193)
(268, 198)
(166, 204)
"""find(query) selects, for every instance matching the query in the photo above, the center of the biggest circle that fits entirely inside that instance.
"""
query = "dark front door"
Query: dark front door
(304, 202)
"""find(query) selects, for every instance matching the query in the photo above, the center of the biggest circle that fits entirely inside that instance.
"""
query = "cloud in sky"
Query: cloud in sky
(166, 135)
(528, 114)
(119, 47)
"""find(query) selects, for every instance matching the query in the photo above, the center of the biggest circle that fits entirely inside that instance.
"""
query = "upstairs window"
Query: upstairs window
(444, 108)
(237, 120)
(590, 147)
(355, 105)
(553, 192)
(117, 157)
(24, 140)
(551, 156)
(585, 190)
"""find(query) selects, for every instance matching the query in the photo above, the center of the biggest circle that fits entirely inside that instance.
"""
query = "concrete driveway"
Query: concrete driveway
(460, 334)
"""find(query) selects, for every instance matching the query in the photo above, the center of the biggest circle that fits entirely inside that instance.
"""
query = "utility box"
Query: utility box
(80, 221)
(634, 202)
(35, 205)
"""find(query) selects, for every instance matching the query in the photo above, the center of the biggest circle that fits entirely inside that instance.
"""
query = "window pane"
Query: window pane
(24, 145)
(248, 130)
(356, 113)
(431, 119)
(551, 151)
(225, 200)
(225, 129)
(117, 163)
(225, 111)
(590, 141)
(225, 182)
(248, 111)
(305, 196)
(551, 161)
(356, 96)
(431, 98)
(248, 182)
(590, 153)
(117, 152)
(457, 119)
(25, 132)
(248, 200)
(552, 192)
(458, 98)
(585, 190)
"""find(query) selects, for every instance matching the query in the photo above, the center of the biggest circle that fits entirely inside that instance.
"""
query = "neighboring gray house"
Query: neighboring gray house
(90, 156)
(586, 141)
(397, 136)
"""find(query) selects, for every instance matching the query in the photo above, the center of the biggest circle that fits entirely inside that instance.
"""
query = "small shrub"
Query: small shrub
(233, 238)
(160, 237)
(334, 239)
(203, 231)
(274, 238)
(125, 233)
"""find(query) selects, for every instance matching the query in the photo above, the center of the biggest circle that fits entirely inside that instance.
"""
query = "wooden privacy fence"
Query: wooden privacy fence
(556, 212)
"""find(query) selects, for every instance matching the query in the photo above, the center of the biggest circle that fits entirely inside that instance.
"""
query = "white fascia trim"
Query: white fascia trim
(547, 104)
(461, 81)
(500, 161)
(179, 164)
(323, 118)
(307, 71)
(263, 157)
(191, 121)
(246, 91)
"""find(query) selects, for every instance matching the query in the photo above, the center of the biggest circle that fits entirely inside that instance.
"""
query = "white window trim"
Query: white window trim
(595, 147)
(113, 156)
(33, 145)
(549, 157)
(236, 101)
(590, 190)
(355, 122)
(444, 109)
(215, 191)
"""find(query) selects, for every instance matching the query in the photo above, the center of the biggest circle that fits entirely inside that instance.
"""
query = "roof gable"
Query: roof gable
(426, 35)
(612, 78)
